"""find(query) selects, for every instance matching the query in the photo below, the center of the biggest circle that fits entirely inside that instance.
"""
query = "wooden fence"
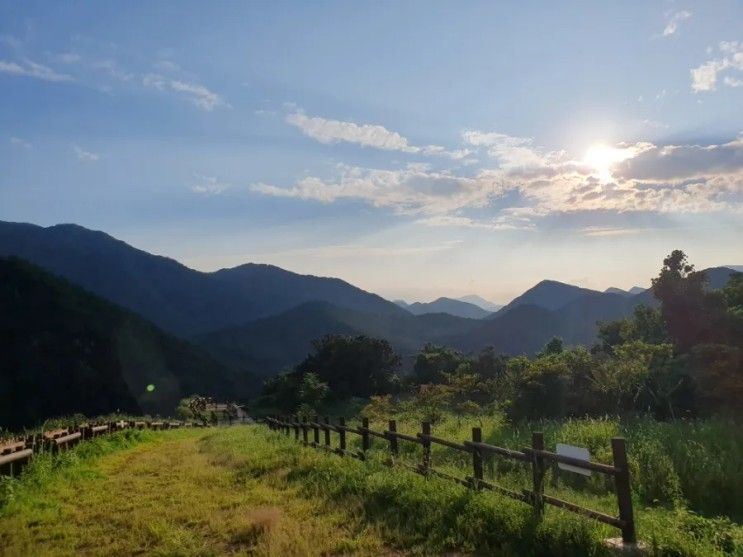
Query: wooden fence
(536, 457)
(16, 454)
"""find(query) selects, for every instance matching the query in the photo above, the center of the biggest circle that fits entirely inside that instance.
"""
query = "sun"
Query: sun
(602, 158)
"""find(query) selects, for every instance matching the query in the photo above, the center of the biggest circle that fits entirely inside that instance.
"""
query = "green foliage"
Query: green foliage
(352, 366)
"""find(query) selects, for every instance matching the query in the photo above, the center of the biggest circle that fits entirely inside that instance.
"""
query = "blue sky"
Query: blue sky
(416, 149)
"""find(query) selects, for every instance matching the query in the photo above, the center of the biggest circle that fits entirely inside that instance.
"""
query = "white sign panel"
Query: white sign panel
(580, 453)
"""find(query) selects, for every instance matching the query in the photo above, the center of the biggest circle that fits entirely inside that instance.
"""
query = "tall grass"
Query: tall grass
(695, 465)
(434, 516)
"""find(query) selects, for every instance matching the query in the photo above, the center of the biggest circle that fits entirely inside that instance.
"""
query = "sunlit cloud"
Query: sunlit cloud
(704, 77)
(640, 177)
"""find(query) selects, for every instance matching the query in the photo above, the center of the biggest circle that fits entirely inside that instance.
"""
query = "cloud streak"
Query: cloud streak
(330, 131)
(29, 68)
(196, 94)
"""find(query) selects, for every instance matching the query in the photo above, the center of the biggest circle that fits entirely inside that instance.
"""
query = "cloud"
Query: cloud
(704, 77)
(29, 68)
(18, 142)
(112, 69)
(602, 231)
(84, 155)
(681, 162)
(367, 135)
(209, 185)
(511, 152)
(674, 22)
(524, 187)
(197, 94)
(412, 190)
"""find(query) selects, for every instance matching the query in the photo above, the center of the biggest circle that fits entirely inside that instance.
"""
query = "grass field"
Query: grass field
(247, 490)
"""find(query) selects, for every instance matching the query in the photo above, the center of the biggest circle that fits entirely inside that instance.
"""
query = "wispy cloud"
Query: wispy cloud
(113, 70)
(85, 155)
(375, 136)
(602, 231)
(196, 94)
(18, 142)
(209, 185)
(674, 21)
(29, 68)
(704, 77)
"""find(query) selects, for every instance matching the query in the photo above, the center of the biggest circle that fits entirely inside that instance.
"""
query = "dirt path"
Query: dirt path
(170, 498)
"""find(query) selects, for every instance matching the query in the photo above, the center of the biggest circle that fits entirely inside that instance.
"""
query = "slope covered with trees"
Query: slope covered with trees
(66, 350)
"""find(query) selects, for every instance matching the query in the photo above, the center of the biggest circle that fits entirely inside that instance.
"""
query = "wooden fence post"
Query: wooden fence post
(316, 431)
(304, 431)
(426, 443)
(327, 432)
(296, 428)
(537, 464)
(342, 435)
(477, 475)
(622, 486)
(394, 449)
(365, 438)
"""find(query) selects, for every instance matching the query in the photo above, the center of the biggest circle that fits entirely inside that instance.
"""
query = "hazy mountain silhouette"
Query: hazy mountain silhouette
(481, 302)
(65, 350)
(450, 306)
(176, 298)
(276, 342)
(262, 318)
(547, 294)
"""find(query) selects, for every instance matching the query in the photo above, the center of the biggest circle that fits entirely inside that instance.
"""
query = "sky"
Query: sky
(414, 149)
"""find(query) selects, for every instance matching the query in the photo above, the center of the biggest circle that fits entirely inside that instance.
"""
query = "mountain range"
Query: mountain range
(457, 308)
(260, 318)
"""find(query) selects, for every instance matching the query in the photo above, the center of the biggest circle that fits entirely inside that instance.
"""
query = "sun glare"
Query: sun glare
(602, 159)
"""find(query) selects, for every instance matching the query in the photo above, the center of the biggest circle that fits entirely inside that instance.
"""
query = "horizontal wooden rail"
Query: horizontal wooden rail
(439, 441)
(535, 456)
(578, 463)
(501, 451)
(23, 454)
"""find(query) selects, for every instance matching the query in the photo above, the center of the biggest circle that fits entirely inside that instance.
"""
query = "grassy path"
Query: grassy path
(172, 496)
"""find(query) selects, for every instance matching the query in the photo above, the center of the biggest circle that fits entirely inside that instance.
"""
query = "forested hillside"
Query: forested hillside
(65, 350)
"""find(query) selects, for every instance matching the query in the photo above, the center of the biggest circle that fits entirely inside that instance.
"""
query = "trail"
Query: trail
(172, 497)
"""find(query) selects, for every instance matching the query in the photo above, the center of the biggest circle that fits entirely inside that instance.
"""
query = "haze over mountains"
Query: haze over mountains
(446, 305)
(261, 319)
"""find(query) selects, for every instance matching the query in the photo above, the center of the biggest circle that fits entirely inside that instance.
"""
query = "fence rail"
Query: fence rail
(535, 456)
(16, 454)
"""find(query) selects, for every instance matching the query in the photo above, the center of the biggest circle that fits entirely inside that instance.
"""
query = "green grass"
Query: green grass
(250, 490)
(163, 493)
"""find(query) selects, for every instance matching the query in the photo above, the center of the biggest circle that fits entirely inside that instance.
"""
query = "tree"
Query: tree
(312, 393)
(691, 314)
(554, 346)
(353, 366)
(434, 362)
